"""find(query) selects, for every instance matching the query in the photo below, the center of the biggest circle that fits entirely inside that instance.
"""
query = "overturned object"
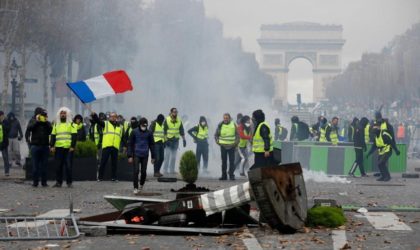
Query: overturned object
(279, 192)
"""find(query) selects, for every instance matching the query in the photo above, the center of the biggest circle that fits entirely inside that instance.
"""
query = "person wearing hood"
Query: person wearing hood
(245, 136)
(295, 128)
(352, 129)
(323, 124)
(4, 142)
(63, 143)
(173, 129)
(227, 138)
(262, 141)
(331, 132)
(384, 143)
(15, 136)
(37, 136)
(359, 147)
(140, 143)
(280, 132)
(112, 135)
(156, 127)
(200, 134)
(81, 131)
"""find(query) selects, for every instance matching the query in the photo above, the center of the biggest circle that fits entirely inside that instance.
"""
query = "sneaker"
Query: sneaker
(99, 180)
(57, 185)
(114, 180)
(135, 191)
(365, 175)
(352, 175)
(34, 185)
(7, 174)
(223, 178)
(69, 185)
(158, 175)
(44, 185)
(232, 178)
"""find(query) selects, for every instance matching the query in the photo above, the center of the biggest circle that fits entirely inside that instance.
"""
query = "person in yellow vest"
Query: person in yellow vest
(62, 144)
(384, 144)
(173, 129)
(245, 136)
(280, 132)
(96, 136)
(134, 123)
(262, 141)
(156, 127)
(352, 129)
(323, 124)
(4, 142)
(331, 133)
(227, 138)
(200, 134)
(112, 134)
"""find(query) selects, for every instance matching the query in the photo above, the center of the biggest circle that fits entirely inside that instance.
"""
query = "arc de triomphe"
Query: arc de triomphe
(320, 44)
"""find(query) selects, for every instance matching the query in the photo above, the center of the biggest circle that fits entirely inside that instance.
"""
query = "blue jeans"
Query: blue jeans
(171, 150)
(39, 163)
(5, 155)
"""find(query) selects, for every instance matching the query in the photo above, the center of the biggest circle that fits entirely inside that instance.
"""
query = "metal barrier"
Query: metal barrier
(37, 228)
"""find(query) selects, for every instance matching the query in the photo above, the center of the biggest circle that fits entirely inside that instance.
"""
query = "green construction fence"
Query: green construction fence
(335, 159)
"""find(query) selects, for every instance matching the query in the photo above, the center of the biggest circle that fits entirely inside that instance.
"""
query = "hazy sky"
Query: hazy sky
(368, 25)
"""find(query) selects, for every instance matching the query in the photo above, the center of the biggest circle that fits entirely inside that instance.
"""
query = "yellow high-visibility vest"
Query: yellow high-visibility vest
(173, 128)
(158, 133)
(111, 135)
(227, 134)
(258, 142)
(63, 132)
(380, 144)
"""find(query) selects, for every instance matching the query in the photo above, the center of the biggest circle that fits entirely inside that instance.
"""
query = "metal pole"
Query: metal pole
(14, 83)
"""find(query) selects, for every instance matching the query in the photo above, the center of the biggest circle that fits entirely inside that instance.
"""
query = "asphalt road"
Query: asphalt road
(360, 232)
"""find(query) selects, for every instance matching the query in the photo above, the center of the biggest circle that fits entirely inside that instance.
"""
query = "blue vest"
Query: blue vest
(141, 142)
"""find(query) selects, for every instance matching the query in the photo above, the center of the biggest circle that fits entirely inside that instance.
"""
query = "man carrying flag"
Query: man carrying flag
(112, 133)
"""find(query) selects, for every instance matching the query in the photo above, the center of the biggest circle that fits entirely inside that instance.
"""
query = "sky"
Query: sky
(368, 26)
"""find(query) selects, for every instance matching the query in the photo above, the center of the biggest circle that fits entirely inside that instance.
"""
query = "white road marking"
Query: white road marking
(57, 213)
(385, 221)
(252, 243)
(339, 239)
(4, 210)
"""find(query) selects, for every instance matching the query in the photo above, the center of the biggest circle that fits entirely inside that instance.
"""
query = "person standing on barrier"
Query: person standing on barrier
(262, 141)
(227, 138)
(280, 132)
(359, 147)
(332, 131)
(384, 144)
(63, 143)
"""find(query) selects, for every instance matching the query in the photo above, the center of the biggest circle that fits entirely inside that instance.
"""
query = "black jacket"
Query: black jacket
(37, 133)
(15, 129)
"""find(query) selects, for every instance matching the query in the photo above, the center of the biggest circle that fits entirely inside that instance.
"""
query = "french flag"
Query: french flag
(108, 84)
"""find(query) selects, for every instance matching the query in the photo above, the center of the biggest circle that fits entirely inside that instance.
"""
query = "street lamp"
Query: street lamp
(13, 73)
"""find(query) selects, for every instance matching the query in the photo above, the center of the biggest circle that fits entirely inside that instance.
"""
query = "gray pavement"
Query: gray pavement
(22, 199)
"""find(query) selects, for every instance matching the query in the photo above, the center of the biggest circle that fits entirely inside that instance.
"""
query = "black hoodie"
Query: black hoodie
(15, 128)
(37, 132)
(359, 133)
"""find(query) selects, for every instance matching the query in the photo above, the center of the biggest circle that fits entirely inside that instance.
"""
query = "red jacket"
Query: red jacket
(242, 133)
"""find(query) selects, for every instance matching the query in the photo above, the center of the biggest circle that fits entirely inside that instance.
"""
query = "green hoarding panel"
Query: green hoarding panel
(319, 159)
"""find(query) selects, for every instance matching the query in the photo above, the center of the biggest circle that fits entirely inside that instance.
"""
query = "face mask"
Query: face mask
(42, 118)
(203, 124)
(143, 128)
(247, 124)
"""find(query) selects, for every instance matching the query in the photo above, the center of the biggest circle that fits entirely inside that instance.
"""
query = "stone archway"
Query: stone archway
(319, 44)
